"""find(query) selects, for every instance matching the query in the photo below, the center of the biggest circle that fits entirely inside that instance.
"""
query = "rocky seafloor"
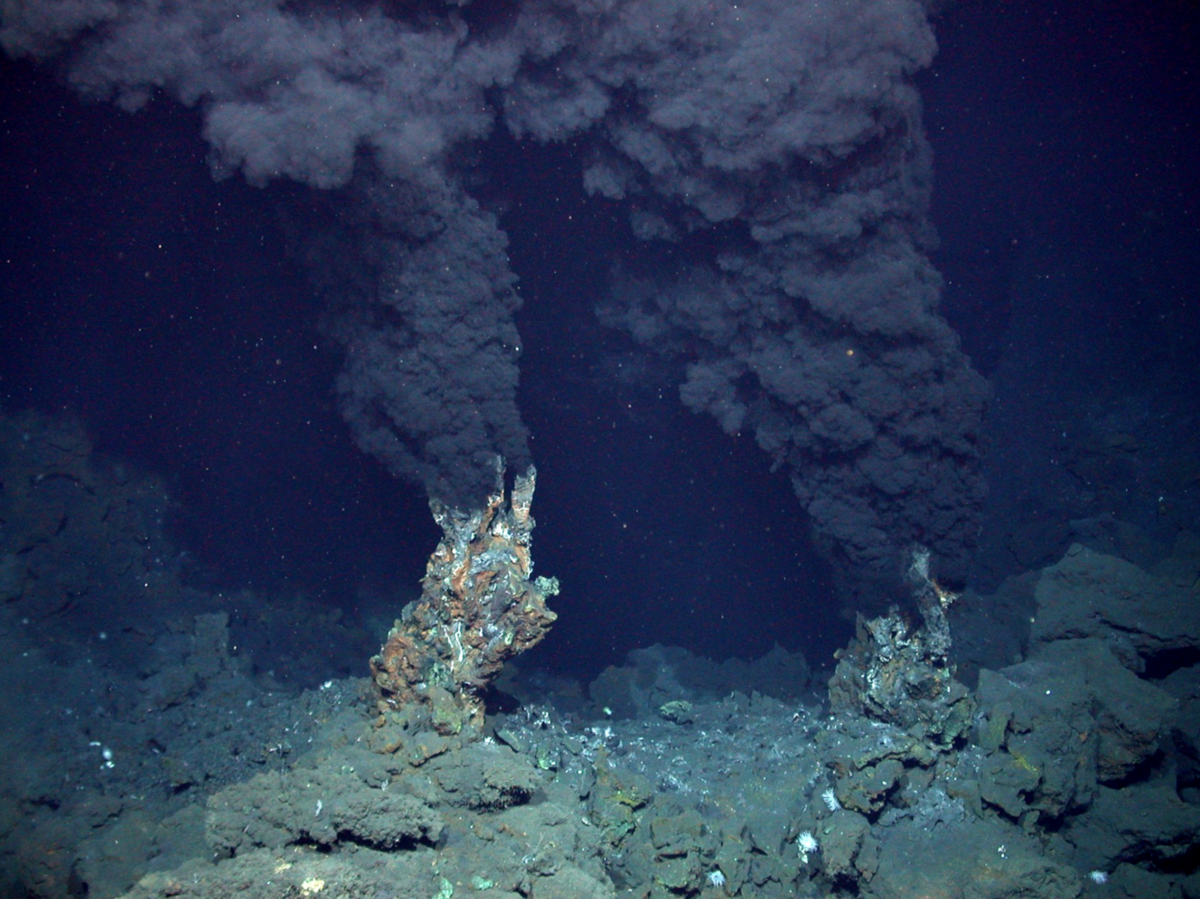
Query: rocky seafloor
(151, 758)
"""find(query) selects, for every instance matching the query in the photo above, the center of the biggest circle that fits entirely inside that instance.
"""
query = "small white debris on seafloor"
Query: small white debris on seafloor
(806, 843)
(830, 799)
(1097, 877)
(716, 878)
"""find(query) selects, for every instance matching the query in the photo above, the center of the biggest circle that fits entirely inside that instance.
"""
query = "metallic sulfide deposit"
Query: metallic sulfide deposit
(901, 674)
(478, 608)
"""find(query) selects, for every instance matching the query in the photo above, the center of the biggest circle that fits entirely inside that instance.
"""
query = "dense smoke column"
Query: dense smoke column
(770, 153)
(776, 148)
(430, 380)
(366, 107)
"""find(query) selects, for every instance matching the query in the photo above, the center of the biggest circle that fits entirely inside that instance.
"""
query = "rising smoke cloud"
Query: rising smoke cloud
(774, 145)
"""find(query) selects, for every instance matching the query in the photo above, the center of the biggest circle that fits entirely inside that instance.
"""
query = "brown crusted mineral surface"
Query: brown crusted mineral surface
(478, 608)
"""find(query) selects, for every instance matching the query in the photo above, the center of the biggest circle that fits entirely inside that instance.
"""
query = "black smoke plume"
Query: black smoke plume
(771, 158)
